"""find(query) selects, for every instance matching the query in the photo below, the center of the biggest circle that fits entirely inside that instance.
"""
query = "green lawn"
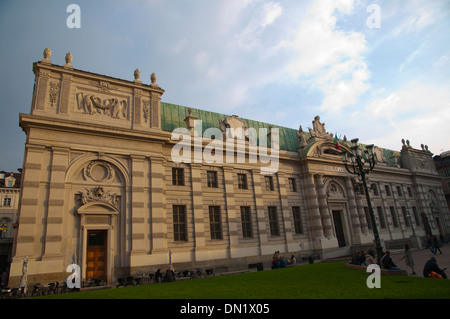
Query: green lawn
(317, 281)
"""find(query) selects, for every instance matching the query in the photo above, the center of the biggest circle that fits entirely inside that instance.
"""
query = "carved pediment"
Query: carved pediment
(99, 195)
(334, 191)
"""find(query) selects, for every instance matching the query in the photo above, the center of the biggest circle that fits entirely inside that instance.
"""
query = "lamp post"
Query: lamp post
(356, 165)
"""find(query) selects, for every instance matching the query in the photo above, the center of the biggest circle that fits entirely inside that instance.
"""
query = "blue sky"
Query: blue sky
(281, 62)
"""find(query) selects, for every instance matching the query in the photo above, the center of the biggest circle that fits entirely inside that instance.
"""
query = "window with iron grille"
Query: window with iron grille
(269, 183)
(298, 226)
(214, 222)
(273, 221)
(211, 177)
(246, 222)
(178, 176)
(242, 181)
(292, 185)
(179, 222)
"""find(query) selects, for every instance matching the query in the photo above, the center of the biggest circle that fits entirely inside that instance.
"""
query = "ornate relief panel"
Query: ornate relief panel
(335, 191)
(92, 104)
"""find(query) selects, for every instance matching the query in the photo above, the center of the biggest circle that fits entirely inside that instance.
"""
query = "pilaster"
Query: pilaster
(197, 209)
(137, 205)
(286, 213)
(55, 210)
(259, 205)
(29, 201)
(158, 212)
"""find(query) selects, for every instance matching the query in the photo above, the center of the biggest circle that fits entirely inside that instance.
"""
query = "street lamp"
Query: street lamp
(355, 164)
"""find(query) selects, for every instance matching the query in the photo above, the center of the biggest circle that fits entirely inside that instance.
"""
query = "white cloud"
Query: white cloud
(420, 113)
(332, 58)
(272, 11)
(414, 16)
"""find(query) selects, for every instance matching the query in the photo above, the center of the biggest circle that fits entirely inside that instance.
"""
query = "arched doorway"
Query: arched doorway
(97, 221)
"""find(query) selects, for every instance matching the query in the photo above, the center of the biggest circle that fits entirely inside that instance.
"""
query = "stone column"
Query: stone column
(314, 212)
(353, 208)
(357, 215)
(55, 206)
(323, 208)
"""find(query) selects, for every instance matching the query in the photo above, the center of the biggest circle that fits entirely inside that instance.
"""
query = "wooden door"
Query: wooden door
(96, 255)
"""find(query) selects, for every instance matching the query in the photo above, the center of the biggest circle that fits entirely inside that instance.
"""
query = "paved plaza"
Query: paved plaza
(420, 257)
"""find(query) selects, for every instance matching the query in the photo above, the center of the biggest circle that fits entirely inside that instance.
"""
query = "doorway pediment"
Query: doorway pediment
(97, 208)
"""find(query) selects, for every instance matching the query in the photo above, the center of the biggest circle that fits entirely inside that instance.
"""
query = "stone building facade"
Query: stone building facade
(101, 187)
(9, 204)
(442, 162)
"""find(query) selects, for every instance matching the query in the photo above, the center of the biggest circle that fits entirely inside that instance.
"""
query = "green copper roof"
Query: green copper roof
(172, 117)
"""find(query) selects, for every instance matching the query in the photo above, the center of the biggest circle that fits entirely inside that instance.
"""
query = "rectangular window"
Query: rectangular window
(246, 222)
(273, 221)
(406, 217)
(178, 176)
(211, 177)
(242, 181)
(298, 226)
(409, 192)
(214, 222)
(394, 216)
(7, 201)
(375, 189)
(179, 222)
(416, 216)
(381, 217)
(292, 185)
(3, 229)
(399, 191)
(269, 183)
(369, 220)
(388, 190)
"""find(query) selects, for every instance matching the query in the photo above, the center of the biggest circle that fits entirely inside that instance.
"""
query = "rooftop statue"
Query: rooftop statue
(318, 129)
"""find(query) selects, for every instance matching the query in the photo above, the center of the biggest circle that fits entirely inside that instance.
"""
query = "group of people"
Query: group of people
(434, 244)
(431, 268)
(281, 262)
(362, 258)
(168, 276)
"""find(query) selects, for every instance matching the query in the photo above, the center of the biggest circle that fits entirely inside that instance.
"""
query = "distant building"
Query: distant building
(9, 208)
(442, 163)
(123, 184)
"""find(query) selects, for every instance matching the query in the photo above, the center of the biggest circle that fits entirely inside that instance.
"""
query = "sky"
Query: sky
(375, 70)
